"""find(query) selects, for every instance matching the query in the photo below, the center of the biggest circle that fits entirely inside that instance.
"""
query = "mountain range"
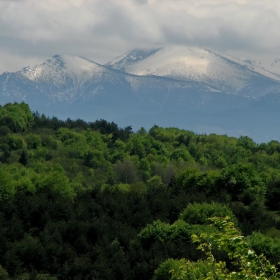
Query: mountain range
(190, 88)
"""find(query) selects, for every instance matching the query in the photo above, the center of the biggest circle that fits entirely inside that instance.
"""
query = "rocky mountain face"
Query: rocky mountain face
(189, 88)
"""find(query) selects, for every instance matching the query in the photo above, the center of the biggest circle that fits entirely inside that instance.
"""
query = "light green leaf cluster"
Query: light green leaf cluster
(182, 269)
(247, 264)
(163, 232)
(51, 180)
(17, 117)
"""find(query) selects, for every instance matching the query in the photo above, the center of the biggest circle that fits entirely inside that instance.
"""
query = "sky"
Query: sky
(32, 31)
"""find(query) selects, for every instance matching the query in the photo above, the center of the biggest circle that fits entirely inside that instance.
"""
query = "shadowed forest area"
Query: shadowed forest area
(90, 200)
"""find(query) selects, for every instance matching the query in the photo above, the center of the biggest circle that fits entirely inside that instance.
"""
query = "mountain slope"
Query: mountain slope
(194, 64)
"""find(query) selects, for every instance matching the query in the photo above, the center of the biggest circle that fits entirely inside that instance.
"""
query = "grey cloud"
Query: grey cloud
(249, 27)
(141, 1)
(100, 30)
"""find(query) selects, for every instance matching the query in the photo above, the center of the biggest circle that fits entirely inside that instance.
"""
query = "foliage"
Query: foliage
(243, 182)
(163, 231)
(182, 269)
(246, 263)
(17, 117)
(7, 188)
(266, 245)
(199, 213)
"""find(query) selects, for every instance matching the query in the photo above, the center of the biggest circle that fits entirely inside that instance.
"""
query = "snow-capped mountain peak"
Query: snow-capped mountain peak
(192, 64)
(171, 61)
(62, 67)
(130, 58)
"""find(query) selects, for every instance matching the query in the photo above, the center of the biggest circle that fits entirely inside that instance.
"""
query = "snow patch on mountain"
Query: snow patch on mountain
(269, 70)
(271, 64)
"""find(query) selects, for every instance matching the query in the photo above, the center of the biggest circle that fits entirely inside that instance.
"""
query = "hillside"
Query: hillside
(91, 200)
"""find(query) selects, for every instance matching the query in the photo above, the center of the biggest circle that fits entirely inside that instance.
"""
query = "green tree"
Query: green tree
(126, 171)
(246, 264)
(7, 187)
(199, 213)
(16, 142)
(17, 117)
(33, 141)
(243, 182)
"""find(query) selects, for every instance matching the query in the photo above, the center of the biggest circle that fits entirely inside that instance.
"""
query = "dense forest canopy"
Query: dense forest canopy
(90, 200)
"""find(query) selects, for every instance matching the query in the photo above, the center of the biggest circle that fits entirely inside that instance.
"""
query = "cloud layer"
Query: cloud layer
(31, 30)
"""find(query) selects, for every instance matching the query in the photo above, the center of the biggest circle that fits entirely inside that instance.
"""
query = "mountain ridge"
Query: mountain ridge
(194, 64)
(141, 88)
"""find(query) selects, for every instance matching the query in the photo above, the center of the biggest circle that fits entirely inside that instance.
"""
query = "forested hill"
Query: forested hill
(90, 200)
